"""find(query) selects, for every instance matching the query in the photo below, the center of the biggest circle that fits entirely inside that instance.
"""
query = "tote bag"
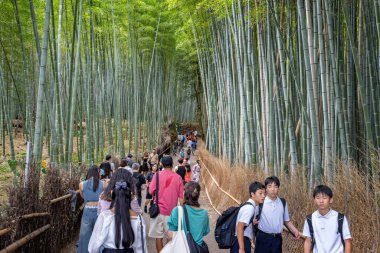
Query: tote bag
(178, 244)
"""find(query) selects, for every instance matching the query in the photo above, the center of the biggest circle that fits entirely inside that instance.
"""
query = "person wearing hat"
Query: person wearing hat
(169, 193)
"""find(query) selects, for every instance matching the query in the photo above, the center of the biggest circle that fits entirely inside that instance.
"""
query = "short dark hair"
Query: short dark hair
(322, 189)
(123, 162)
(167, 161)
(108, 157)
(272, 179)
(255, 186)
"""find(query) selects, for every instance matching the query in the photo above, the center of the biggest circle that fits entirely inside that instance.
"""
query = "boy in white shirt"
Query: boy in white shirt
(273, 216)
(329, 232)
(244, 230)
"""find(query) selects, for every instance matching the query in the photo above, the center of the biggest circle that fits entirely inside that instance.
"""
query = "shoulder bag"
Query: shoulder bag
(193, 246)
(154, 210)
(178, 244)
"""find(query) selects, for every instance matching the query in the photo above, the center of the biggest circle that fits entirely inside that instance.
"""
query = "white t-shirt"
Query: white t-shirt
(103, 234)
(245, 215)
(272, 216)
(326, 236)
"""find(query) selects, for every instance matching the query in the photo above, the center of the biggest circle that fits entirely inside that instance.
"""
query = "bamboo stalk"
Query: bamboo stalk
(62, 198)
(33, 215)
(5, 231)
(17, 244)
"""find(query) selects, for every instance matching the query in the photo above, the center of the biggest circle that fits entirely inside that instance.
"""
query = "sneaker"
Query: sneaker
(145, 209)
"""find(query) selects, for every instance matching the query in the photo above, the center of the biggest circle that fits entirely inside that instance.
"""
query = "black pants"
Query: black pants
(247, 246)
(130, 250)
(267, 243)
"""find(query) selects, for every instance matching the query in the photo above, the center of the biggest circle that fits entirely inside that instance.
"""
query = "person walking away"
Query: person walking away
(196, 172)
(145, 166)
(110, 161)
(139, 181)
(326, 230)
(189, 143)
(119, 229)
(90, 190)
(245, 219)
(193, 146)
(175, 148)
(273, 215)
(180, 169)
(105, 171)
(188, 173)
(122, 175)
(130, 160)
(199, 225)
(188, 153)
(124, 165)
(182, 153)
(149, 178)
(170, 192)
(105, 176)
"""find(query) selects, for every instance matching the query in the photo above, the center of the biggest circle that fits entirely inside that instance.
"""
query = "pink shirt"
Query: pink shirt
(170, 190)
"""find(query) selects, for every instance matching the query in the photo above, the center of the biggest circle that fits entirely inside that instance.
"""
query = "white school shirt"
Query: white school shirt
(245, 215)
(103, 235)
(272, 216)
(326, 236)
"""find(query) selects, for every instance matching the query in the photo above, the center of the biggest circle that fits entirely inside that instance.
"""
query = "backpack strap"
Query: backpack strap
(260, 210)
(311, 230)
(283, 201)
(253, 216)
(142, 234)
(340, 227)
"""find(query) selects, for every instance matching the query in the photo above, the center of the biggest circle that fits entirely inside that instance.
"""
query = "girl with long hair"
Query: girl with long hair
(199, 226)
(90, 190)
(119, 229)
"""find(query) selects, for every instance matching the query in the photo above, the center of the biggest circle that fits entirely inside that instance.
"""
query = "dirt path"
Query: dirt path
(209, 239)
(204, 202)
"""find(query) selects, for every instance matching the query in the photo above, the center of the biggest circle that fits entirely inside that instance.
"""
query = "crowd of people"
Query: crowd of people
(112, 218)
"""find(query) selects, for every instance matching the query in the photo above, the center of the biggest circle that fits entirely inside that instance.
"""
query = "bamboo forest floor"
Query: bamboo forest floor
(209, 239)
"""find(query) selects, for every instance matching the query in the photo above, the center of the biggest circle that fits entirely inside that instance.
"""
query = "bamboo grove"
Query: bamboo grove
(284, 85)
(88, 76)
(290, 84)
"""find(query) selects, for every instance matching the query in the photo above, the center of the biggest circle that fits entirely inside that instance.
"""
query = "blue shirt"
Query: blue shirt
(199, 222)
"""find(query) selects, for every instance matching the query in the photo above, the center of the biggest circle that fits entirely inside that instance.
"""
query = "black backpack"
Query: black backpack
(256, 226)
(225, 227)
(340, 229)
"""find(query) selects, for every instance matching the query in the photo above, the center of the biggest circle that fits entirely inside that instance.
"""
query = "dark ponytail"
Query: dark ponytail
(93, 173)
(121, 201)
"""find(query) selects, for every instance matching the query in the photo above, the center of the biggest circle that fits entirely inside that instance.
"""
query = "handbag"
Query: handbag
(193, 246)
(178, 244)
(154, 210)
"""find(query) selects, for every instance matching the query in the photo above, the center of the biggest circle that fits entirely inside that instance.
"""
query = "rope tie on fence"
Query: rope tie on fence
(219, 187)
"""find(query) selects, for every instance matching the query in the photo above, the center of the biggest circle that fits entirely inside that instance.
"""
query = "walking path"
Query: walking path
(204, 202)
